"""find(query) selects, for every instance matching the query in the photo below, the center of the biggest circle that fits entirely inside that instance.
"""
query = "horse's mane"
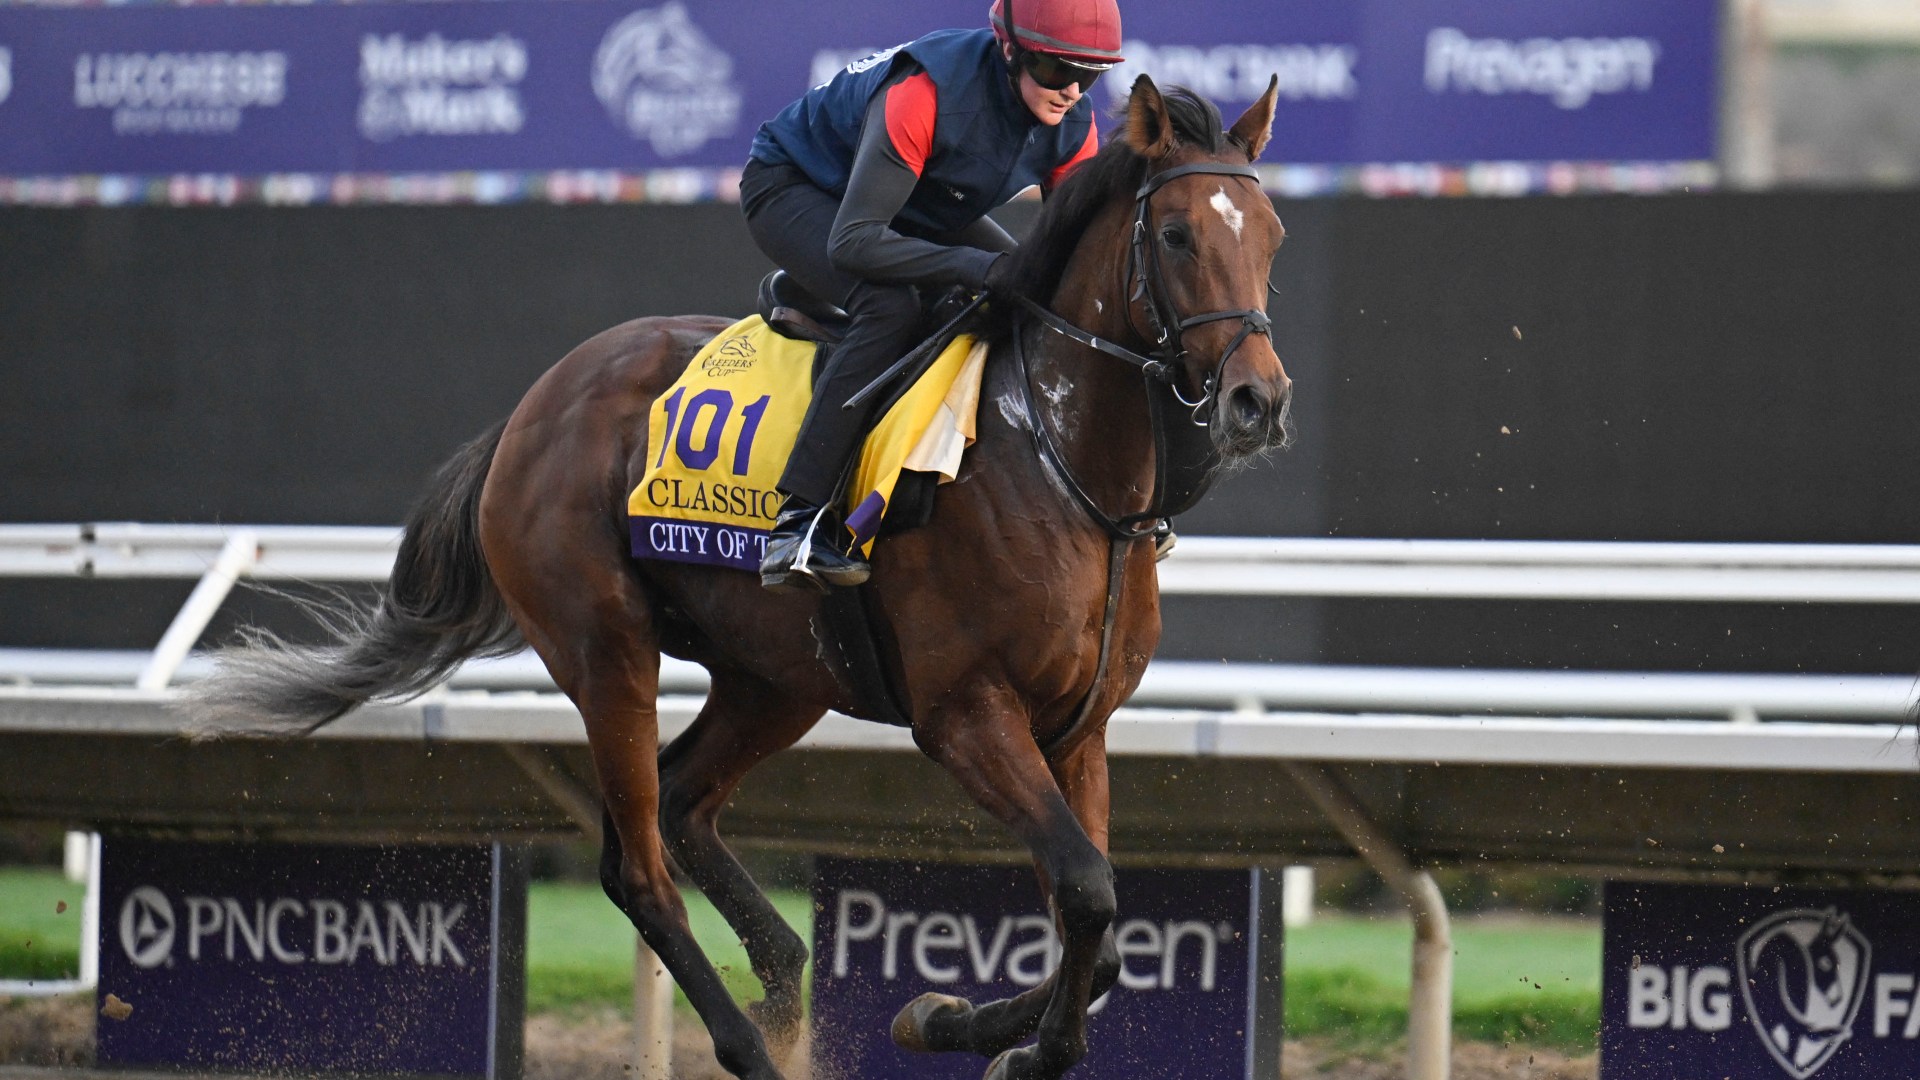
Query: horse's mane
(1116, 169)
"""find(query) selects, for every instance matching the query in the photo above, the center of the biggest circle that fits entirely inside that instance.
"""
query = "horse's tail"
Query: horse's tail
(439, 607)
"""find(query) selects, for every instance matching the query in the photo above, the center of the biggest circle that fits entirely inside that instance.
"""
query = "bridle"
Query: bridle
(1145, 279)
(1167, 365)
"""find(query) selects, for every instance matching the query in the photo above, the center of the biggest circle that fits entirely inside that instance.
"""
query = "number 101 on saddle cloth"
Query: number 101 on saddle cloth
(718, 439)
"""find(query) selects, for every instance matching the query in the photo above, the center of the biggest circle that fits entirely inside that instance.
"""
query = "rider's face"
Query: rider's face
(1048, 106)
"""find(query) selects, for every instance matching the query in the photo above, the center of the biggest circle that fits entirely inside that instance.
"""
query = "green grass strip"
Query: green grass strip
(39, 940)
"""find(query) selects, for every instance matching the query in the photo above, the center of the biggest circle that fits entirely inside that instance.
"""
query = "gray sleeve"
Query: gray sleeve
(985, 234)
(864, 243)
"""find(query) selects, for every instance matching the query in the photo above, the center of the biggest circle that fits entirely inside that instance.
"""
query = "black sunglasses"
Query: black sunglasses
(1053, 73)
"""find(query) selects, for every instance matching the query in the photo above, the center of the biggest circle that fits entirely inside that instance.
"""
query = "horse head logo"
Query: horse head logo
(662, 80)
(1804, 975)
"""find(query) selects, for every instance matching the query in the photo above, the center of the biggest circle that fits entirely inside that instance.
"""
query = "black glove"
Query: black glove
(998, 284)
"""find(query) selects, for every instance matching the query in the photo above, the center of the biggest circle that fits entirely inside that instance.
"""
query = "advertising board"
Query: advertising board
(1769, 983)
(1199, 985)
(406, 959)
(493, 92)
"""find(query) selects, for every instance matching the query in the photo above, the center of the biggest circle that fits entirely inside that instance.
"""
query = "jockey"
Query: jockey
(877, 183)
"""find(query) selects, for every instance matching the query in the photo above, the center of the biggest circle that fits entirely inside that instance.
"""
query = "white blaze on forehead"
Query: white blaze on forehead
(1229, 212)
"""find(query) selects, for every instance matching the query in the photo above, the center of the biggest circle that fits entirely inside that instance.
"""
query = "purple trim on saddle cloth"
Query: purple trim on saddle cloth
(865, 519)
(704, 542)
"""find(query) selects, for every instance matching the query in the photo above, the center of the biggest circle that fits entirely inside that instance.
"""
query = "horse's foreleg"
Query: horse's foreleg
(997, 762)
(743, 722)
(940, 1022)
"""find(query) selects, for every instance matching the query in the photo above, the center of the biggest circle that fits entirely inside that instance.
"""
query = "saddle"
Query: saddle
(794, 312)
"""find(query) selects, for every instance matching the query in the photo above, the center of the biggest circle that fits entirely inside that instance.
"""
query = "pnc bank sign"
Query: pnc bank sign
(1760, 984)
(286, 930)
(312, 958)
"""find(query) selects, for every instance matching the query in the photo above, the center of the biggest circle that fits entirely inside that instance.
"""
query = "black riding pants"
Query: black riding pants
(791, 221)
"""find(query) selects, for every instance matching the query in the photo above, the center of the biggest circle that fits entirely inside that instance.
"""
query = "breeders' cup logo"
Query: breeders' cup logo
(6, 72)
(662, 80)
(731, 358)
(146, 927)
(1804, 975)
(434, 86)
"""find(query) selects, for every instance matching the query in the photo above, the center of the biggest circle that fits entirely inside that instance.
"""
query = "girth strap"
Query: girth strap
(1117, 549)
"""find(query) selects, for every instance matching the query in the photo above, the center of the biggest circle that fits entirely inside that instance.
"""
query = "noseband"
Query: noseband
(1146, 280)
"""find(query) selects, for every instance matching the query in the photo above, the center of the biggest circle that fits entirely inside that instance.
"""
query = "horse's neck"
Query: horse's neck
(1094, 404)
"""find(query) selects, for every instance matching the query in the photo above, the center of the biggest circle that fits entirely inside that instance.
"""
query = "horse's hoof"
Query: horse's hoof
(910, 1026)
(1008, 1065)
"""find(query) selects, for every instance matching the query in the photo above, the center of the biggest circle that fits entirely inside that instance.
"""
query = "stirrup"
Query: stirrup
(800, 558)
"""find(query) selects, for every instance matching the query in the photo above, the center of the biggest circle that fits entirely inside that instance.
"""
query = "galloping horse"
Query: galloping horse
(1023, 614)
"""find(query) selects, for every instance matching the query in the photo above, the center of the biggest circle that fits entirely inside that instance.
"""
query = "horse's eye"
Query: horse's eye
(1173, 236)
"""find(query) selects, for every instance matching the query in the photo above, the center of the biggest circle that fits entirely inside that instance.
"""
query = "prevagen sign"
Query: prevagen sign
(402, 959)
(1199, 986)
(1760, 983)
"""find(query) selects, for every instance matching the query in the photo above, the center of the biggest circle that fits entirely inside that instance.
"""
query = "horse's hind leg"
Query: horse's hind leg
(590, 621)
(744, 721)
(990, 751)
(936, 1022)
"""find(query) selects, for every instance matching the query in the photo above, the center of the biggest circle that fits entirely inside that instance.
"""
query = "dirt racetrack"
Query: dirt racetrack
(596, 1046)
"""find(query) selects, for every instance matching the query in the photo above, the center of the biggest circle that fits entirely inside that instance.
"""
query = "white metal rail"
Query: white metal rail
(1776, 573)
(1441, 569)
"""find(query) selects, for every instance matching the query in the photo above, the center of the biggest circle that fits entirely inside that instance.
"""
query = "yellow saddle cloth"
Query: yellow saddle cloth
(718, 439)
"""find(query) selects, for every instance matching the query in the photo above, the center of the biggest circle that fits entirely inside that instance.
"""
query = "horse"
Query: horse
(1022, 614)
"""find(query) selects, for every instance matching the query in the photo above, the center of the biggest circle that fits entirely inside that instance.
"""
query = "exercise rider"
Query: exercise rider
(877, 183)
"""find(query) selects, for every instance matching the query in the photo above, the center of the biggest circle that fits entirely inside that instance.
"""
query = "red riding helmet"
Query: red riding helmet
(1085, 32)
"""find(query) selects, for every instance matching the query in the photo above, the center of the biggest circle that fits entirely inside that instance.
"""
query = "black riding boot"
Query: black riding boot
(809, 549)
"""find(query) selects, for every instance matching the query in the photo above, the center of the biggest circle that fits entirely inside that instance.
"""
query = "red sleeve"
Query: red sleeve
(1087, 150)
(911, 106)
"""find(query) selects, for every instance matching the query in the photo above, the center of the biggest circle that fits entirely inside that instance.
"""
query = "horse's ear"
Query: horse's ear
(1255, 126)
(1149, 130)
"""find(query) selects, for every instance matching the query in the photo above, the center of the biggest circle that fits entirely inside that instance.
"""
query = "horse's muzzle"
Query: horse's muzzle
(1253, 417)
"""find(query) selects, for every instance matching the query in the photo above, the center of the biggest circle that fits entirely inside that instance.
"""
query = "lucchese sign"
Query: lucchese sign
(1760, 983)
(312, 958)
(1199, 984)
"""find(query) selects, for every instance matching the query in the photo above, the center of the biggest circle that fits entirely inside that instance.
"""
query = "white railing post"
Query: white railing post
(652, 1015)
(1430, 997)
(237, 557)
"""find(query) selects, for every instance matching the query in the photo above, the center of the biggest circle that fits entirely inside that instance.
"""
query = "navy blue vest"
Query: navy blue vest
(987, 146)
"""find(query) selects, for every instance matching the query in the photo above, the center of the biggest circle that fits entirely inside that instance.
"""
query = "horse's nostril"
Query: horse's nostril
(1248, 408)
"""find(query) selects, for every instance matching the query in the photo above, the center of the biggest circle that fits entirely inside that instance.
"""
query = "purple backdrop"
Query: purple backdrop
(1199, 994)
(591, 84)
(1759, 983)
(402, 959)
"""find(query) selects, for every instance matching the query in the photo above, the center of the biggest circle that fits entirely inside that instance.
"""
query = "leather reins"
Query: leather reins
(1143, 279)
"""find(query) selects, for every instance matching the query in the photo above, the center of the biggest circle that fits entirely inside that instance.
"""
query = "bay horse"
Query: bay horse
(1023, 614)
